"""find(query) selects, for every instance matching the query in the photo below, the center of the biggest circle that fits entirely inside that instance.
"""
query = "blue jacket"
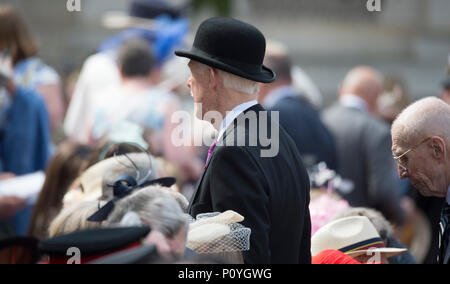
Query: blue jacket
(302, 122)
(25, 141)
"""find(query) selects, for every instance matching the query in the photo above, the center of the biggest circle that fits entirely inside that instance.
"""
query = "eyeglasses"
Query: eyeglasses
(402, 160)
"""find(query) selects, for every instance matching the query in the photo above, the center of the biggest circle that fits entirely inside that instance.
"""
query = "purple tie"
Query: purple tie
(211, 149)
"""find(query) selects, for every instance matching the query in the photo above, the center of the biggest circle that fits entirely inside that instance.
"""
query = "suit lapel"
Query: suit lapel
(230, 128)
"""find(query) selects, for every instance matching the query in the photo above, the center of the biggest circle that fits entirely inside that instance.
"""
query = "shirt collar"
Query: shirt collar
(277, 94)
(448, 195)
(231, 115)
(353, 101)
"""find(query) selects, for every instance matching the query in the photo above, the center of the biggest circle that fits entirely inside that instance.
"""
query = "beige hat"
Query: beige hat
(353, 236)
(92, 184)
(218, 233)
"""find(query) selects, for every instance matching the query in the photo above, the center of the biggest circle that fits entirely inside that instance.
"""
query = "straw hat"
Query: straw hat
(353, 236)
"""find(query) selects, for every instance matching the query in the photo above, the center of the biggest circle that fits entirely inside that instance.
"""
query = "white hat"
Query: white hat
(353, 236)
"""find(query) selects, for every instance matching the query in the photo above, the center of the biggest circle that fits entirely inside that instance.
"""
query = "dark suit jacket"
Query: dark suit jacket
(271, 193)
(302, 122)
(444, 252)
(365, 157)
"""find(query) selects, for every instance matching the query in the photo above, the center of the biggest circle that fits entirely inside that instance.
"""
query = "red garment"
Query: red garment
(332, 256)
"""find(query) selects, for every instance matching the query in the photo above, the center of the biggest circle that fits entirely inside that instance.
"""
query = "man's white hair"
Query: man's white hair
(231, 81)
(429, 116)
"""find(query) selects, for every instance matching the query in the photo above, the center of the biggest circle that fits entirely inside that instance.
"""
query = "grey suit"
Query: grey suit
(364, 152)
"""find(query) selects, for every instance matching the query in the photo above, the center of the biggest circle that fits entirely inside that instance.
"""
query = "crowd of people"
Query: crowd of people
(365, 180)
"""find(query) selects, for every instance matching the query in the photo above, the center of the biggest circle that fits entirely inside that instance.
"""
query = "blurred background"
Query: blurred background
(407, 38)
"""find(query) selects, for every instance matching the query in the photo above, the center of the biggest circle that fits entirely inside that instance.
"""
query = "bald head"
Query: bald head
(421, 140)
(426, 117)
(364, 82)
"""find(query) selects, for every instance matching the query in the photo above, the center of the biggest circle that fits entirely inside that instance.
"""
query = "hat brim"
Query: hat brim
(120, 20)
(387, 252)
(265, 76)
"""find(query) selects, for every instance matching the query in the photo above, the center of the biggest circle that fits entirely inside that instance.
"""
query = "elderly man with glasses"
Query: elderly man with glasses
(421, 145)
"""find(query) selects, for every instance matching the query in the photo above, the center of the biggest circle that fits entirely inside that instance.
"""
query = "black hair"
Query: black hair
(135, 58)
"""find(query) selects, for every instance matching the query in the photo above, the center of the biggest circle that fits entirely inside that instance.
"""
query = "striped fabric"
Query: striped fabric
(444, 233)
(364, 245)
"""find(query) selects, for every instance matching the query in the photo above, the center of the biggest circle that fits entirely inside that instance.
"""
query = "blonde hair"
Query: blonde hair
(74, 218)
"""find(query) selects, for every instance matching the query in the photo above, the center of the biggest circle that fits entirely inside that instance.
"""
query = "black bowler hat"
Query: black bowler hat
(232, 46)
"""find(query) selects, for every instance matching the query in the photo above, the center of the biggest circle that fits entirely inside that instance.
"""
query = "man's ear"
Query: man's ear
(438, 147)
(213, 77)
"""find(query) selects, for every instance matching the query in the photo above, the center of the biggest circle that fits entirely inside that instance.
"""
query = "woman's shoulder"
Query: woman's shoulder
(33, 72)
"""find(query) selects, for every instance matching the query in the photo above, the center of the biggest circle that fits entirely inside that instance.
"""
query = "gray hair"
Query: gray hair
(231, 81)
(155, 208)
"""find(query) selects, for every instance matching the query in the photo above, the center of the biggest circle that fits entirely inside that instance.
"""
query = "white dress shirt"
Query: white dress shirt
(231, 115)
(353, 101)
(279, 93)
(448, 195)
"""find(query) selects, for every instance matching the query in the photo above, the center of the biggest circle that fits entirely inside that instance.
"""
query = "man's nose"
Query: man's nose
(189, 82)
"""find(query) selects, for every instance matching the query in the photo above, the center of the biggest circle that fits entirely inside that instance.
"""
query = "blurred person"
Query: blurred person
(446, 83)
(24, 127)
(333, 256)
(138, 100)
(68, 162)
(323, 206)
(29, 70)
(93, 245)
(363, 144)
(355, 236)
(394, 98)
(74, 218)
(158, 22)
(297, 116)
(156, 208)
(446, 89)
(384, 229)
(9, 206)
(226, 63)
(304, 84)
(97, 181)
(420, 145)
